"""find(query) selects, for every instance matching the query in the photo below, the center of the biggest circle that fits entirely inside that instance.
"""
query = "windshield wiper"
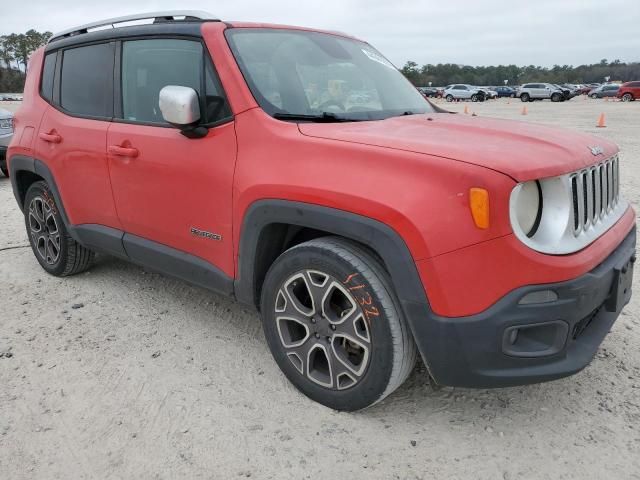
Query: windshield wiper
(324, 117)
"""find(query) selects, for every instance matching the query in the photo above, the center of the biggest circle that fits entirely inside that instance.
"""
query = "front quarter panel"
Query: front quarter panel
(424, 199)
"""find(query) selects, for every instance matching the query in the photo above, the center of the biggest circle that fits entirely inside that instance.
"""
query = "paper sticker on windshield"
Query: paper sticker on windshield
(376, 57)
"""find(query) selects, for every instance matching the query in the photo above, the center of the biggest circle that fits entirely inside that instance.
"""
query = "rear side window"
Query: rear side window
(87, 80)
(150, 65)
(48, 71)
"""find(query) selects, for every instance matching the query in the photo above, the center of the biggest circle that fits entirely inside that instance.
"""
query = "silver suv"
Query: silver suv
(539, 91)
(6, 132)
(463, 92)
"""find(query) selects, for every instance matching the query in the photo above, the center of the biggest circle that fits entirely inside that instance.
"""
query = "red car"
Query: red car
(299, 172)
(629, 91)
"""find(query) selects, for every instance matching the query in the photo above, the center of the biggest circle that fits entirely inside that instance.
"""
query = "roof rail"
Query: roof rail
(157, 17)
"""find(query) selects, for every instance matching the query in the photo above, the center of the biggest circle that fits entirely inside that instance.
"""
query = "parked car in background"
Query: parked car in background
(505, 92)
(629, 91)
(569, 89)
(602, 91)
(462, 91)
(6, 133)
(540, 91)
(489, 92)
(428, 91)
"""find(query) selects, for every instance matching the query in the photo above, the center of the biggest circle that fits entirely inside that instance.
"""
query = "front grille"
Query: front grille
(595, 192)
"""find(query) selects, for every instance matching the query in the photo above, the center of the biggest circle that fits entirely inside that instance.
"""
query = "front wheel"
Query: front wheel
(474, 97)
(55, 250)
(449, 98)
(334, 325)
(593, 95)
(556, 97)
(524, 97)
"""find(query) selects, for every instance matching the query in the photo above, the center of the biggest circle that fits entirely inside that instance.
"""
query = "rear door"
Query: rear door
(171, 190)
(73, 133)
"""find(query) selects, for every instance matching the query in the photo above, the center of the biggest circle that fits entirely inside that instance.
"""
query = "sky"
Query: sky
(481, 32)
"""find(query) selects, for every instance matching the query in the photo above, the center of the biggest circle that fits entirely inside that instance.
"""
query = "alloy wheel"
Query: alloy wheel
(44, 230)
(323, 330)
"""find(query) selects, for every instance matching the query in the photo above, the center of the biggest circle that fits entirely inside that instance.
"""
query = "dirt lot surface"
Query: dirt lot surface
(122, 373)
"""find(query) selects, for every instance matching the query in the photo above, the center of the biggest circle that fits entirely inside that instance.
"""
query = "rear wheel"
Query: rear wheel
(627, 97)
(334, 325)
(524, 97)
(55, 250)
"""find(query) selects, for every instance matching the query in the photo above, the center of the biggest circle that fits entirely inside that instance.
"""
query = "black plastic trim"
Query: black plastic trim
(176, 263)
(100, 238)
(380, 237)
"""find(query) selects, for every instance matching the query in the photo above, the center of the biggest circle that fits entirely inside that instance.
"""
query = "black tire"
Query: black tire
(513, 95)
(556, 97)
(449, 98)
(593, 95)
(474, 97)
(5, 171)
(627, 97)
(524, 97)
(53, 247)
(338, 268)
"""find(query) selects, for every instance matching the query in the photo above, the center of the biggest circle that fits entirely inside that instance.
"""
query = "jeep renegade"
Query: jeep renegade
(299, 172)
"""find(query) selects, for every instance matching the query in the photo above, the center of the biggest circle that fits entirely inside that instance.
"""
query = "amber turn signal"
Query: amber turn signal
(479, 204)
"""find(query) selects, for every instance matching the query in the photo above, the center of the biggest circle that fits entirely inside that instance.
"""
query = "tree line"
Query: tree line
(448, 73)
(15, 50)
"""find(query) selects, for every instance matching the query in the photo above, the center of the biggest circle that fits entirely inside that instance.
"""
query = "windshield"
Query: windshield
(299, 73)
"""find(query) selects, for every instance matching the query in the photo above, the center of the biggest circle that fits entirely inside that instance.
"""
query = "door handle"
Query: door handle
(119, 151)
(50, 137)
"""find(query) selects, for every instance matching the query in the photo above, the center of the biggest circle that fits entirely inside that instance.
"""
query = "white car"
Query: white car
(460, 91)
(6, 132)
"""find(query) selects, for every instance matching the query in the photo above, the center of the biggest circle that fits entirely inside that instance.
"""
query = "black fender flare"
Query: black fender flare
(20, 163)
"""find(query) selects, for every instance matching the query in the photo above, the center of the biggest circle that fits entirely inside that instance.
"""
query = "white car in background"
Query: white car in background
(6, 132)
(462, 91)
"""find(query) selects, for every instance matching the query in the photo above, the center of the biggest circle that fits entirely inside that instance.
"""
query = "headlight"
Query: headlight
(6, 124)
(527, 207)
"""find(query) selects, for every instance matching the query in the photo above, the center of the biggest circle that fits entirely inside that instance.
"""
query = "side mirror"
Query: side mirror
(180, 106)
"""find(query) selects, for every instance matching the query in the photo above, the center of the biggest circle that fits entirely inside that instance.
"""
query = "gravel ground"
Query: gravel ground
(122, 373)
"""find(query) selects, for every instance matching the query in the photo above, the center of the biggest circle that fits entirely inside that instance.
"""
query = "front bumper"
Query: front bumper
(557, 339)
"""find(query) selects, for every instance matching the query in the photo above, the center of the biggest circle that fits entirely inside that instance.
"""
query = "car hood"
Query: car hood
(522, 150)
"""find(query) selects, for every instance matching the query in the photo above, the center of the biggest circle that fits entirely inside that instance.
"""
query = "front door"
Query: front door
(171, 190)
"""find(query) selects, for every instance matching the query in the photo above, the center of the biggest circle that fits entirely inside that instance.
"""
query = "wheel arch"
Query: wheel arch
(25, 171)
(270, 227)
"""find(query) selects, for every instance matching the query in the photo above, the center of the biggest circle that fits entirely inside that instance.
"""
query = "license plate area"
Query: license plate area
(621, 287)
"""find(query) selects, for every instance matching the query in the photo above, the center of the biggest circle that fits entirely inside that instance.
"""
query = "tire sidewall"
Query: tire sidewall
(41, 189)
(374, 381)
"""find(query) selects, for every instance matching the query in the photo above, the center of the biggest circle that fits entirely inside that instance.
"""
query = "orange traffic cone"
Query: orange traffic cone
(466, 109)
(601, 121)
(524, 110)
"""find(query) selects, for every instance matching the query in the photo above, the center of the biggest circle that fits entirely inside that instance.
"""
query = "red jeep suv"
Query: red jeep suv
(629, 91)
(300, 172)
